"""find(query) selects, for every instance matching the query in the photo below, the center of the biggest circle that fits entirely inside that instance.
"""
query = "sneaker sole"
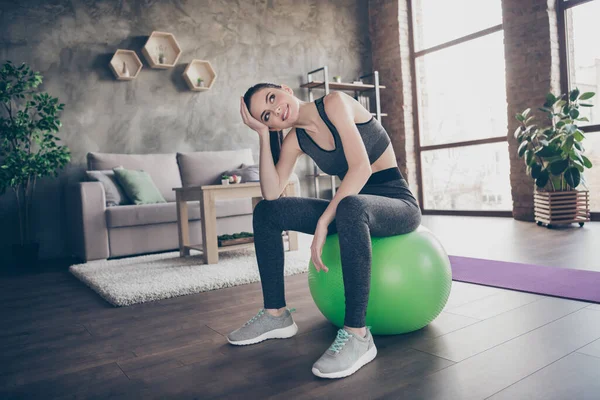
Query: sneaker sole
(362, 361)
(282, 333)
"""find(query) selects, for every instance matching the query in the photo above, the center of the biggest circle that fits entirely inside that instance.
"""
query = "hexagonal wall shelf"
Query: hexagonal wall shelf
(125, 64)
(199, 70)
(161, 50)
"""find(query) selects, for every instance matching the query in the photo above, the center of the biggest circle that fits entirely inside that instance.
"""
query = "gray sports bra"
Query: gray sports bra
(333, 162)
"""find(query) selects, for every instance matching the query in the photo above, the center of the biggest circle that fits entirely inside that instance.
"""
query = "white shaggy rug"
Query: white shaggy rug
(133, 280)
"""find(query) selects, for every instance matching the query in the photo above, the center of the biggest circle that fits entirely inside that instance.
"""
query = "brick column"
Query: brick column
(388, 28)
(532, 70)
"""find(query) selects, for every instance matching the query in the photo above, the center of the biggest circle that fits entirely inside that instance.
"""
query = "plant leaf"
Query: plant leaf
(518, 131)
(586, 105)
(573, 177)
(586, 95)
(535, 170)
(579, 136)
(522, 148)
(542, 178)
(550, 100)
(586, 162)
(578, 165)
(529, 157)
(574, 94)
(558, 167)
(574, 113)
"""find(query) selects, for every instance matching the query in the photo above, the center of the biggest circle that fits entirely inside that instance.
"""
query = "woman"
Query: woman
(345, 140)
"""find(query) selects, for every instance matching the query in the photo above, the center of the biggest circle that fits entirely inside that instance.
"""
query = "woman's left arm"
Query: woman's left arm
(339, 110)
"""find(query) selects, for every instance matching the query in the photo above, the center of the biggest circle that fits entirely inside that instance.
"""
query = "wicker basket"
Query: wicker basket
(557, 208)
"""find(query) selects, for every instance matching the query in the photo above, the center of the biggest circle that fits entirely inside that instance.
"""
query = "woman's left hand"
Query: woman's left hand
(316, 247)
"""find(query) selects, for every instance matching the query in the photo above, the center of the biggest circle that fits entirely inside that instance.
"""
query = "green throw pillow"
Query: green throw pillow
(139, 186)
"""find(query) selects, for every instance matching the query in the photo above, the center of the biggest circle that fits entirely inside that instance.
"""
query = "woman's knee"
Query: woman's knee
(351, 208)
(266, 208)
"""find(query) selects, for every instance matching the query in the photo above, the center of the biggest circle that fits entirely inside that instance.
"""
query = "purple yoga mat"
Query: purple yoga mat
(552, 281)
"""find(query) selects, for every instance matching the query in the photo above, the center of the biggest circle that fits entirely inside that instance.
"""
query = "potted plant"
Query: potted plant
(161, 53)
(554, 158)
(28, 146)
(337, 79)
(200, 82)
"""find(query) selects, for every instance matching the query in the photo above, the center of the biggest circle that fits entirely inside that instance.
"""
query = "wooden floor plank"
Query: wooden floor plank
(464, 293)
(489, 372)
(476, 338)
(577, 376)
(494, 305)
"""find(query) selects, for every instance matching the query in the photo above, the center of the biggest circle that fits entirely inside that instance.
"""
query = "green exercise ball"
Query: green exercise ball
(410, 282)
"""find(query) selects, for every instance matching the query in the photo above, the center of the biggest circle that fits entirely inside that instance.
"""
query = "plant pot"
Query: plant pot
(559, 208)
(25, 256)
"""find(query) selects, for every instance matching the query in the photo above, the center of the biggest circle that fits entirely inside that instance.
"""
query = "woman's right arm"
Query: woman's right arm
(273, 179)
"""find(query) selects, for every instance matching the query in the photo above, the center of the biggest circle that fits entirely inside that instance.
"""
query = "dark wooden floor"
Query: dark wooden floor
(60, 340)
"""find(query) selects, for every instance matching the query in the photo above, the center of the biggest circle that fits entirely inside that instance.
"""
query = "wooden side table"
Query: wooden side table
(207, 196)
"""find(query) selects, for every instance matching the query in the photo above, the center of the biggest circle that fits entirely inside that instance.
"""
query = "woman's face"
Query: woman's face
(276, 108)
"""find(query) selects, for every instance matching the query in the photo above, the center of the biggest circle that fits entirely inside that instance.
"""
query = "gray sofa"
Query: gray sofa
(98, 231)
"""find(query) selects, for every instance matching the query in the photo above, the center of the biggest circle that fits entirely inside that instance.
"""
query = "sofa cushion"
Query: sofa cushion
(115, 196)
(147, 214)
(206, 167)
(139, 186)
(161, 167)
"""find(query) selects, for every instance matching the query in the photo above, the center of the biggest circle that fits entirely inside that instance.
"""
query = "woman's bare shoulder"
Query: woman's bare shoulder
(340, 102)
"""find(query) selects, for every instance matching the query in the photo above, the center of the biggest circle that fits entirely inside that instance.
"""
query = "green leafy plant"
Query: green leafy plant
(554, 153)
(28, 145)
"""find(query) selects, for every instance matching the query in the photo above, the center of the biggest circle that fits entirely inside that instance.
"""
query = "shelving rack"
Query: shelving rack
(327, 86)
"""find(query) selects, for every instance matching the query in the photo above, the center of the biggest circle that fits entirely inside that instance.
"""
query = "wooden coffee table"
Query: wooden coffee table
(208, 195)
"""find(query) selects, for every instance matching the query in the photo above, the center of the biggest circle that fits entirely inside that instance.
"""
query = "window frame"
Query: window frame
(562, 7)
(419, 149)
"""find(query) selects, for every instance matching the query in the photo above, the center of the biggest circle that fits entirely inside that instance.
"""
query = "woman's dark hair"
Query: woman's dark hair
(275, 137)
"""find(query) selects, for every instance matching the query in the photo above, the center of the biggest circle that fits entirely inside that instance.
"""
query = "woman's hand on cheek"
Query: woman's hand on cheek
(316, 247)
(250, 121)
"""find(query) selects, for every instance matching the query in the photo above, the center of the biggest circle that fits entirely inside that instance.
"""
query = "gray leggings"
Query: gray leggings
(380, 209)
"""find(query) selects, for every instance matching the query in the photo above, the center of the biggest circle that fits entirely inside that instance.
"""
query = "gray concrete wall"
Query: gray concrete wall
(72, 42)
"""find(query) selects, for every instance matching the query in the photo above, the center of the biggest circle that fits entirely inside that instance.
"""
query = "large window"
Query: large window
(461, 102)
(580, 67)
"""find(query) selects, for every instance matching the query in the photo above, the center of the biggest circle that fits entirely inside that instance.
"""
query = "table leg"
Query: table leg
(183, 229)
(290, 191)
(209, 228)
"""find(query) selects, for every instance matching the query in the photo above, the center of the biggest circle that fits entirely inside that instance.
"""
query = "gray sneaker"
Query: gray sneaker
(264, 326)
(347, 354)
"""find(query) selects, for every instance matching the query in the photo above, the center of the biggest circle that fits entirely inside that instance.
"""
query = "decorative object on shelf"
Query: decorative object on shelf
(337, 79)
(236, 238)
(125, 71)
(199, 75)
(555, 160)
(125, 65)
(161, 50)
(231, 179)
(29, 117)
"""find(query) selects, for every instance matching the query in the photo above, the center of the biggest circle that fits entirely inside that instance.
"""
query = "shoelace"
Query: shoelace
(257, 316)
(340, 340)
(260, 314)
